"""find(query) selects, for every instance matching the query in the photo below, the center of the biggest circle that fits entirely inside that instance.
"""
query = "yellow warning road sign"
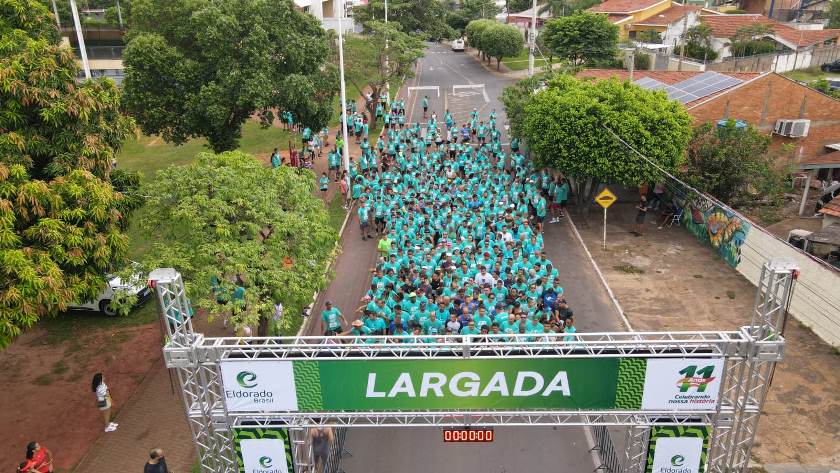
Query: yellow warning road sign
(605, 198)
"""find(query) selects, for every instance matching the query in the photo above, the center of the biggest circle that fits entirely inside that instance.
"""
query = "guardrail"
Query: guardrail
(610, 462)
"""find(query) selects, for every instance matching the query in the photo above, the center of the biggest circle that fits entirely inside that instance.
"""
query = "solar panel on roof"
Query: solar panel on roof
(707, 83)
(650, 84)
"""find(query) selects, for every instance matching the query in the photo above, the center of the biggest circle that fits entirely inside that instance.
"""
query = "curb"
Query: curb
(600, 274)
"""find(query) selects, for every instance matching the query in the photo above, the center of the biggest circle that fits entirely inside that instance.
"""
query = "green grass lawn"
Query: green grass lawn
(148, 154)
(520, 61)
(806, 75)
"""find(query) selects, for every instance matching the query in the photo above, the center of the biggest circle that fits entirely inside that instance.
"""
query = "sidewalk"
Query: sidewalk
(153, 417)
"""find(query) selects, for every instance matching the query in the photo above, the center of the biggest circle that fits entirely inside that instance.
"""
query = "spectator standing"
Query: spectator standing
(322, 439)
(641, 213)
(38, 459)
(324, 184)
(103, 400)
(156, 462)
(275, 159)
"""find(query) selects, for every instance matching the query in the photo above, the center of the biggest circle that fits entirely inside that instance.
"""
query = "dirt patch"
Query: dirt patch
(686, 286)
(48, 397)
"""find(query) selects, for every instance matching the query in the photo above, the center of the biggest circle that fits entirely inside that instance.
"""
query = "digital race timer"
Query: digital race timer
(468, 435)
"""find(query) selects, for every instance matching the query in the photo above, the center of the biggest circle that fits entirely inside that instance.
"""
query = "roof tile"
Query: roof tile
(725, 26)
(623, 6)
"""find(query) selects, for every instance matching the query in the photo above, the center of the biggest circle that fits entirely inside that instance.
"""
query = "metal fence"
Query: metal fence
(610, 462)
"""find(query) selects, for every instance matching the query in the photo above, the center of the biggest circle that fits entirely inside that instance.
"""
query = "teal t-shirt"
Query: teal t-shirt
(332, 318)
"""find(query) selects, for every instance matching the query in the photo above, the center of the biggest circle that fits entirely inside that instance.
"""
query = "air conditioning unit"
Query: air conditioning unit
(792, 128)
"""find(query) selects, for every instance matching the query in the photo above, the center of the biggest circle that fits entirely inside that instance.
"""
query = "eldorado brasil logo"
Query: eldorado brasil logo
(265, 462)
(247, 379)
(694, 378)
(677, 460)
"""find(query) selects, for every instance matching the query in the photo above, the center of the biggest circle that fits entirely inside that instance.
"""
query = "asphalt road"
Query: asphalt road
(421, 449)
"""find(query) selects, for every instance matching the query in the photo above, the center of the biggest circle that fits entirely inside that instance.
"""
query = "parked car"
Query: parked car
(458, 44)
(102, 302)
(831, 66)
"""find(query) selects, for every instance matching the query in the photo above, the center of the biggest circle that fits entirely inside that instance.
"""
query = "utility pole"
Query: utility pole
(80, 37)
(682, 43)
(119, 13)
(345, 149)
(57, 19)
(532, 39)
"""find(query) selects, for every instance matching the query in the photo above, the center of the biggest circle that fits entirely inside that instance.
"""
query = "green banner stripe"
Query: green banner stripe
(308, 385)
(254, 434)
(631, 383)
(673, 431)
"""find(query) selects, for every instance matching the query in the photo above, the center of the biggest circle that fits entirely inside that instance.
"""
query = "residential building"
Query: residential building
(522, 20)
(667, 18)
(788, 39)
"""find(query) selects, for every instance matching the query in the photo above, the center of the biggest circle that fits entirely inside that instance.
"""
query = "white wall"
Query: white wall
(675, 30)
(746, 246)
(816, 296)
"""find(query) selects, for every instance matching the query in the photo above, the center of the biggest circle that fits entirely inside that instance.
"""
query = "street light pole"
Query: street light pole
(387, 84)
(345, 149)
(532, 38)
(55, 10)
(80, 37)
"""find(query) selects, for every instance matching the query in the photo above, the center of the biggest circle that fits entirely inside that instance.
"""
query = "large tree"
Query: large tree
(228, 218)
(426, 17)
(501, 40)
(733, 163)
(569, 126)
(60, 218)
(584, 37)
(477, 9)
(379, 65)
(201, 68)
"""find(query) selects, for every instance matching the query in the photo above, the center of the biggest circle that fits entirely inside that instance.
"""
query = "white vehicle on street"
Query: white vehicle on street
(458, 44)
(102, 302)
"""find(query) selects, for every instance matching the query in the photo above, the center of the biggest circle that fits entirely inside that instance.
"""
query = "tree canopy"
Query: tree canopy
(201, 68)
(402, 52)
(424, 17)
(732, 162)
(494, 39)
(698, 43)
(60, 218)
(583, 37)
(229, 218)
(565, 127)
(833, 11)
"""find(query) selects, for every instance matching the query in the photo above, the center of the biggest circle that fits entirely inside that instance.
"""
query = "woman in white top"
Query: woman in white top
(103, 400)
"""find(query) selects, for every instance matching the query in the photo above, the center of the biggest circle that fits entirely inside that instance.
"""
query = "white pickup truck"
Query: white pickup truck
(458, 44)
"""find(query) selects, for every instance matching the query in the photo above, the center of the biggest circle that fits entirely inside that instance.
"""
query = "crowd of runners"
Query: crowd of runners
(459, 221)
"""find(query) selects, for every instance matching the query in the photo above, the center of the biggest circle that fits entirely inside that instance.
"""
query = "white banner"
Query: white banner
(677, 455)
(682, 384)
(264, 455)
(258, 385)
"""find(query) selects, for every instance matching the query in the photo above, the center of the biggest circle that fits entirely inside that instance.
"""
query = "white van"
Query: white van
(458, 44)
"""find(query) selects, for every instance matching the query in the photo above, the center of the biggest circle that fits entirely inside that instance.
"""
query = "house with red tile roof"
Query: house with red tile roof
(666, 17)
(763, 100)
(788, 38)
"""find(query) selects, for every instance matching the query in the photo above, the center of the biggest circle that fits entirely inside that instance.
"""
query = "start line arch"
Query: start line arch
(245, 396)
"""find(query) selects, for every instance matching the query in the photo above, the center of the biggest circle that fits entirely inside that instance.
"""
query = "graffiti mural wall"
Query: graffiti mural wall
(718, 226)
